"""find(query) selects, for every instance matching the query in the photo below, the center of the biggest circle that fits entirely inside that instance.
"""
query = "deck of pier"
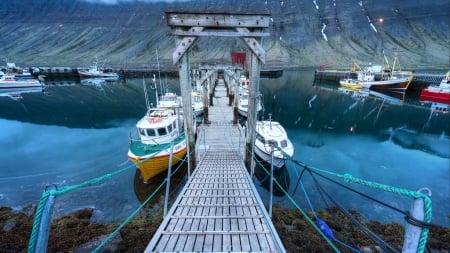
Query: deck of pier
(219, 209)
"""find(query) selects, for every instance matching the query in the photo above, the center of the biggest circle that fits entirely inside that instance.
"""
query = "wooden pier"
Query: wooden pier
(219, 209)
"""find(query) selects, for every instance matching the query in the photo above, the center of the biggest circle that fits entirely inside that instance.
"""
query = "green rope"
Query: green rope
(408, 193)
(37, 221)
(305, 215)
(135, 212)
(128, 219)
(412, 194)
(60, 191)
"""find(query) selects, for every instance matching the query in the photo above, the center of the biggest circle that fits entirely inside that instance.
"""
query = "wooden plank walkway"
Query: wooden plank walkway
(219, 209)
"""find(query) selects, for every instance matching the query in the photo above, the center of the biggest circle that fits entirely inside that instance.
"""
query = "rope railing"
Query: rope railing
(42, 217)
(348, 178)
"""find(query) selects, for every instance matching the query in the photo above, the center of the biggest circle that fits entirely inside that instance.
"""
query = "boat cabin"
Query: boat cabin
(271, 133)
(159, 126)
(169, 100)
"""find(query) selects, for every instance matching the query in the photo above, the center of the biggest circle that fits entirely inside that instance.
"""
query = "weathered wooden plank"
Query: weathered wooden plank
(217, 19)
(219, 33)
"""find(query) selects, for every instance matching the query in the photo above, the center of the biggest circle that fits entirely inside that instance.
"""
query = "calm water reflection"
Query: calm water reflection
(73, 132)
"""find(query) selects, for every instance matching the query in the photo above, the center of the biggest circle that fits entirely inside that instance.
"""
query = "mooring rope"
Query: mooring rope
(348, 178)
(63, 190)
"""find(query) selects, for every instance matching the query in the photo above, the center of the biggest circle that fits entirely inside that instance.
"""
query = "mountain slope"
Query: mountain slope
(73, 32)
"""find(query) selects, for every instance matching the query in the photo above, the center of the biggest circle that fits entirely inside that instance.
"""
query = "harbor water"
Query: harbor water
(72, 132)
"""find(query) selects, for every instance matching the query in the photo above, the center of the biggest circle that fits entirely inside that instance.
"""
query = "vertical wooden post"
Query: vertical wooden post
(186, 91)
(236, 96)
(205, 97)
(251, 112)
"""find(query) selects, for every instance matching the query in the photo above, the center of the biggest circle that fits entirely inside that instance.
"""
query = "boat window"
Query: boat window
(141, 131)
(283, 143)
(162, 131)
(169, 128)
(151, 132)
(174, 125)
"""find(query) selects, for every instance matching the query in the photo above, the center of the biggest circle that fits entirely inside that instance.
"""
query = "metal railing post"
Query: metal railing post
(169, 174)
(271, 183)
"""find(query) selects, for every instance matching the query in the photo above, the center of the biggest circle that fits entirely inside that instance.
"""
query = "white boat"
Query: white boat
(95, 71)
(197, 103)
(11, 81)
(243, 104)
(244, 83)
(152, 140)
(169, 100)
(268, 135)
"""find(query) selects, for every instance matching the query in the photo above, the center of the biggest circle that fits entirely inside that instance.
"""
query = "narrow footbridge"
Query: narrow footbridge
(219, 209)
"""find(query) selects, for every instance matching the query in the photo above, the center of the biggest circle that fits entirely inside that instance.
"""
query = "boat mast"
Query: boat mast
(159, 71)
(156, 90)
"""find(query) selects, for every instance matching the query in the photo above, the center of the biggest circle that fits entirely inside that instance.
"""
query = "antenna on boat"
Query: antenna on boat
(147, 103)
(159, 71)
(386, 59)
(156, 89)
(270, 120)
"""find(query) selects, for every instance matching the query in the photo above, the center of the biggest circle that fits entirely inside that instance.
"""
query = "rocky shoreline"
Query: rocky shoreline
(76, 232)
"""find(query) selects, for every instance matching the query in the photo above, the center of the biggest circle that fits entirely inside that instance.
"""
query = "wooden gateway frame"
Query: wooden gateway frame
(188, 27)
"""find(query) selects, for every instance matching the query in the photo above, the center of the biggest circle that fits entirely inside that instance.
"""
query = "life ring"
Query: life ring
(154, 119)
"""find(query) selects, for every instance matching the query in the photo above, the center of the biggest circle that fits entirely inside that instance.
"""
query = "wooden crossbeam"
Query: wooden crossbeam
(218, 19)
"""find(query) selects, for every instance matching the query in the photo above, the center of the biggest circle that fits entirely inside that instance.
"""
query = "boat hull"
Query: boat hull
(150, 166)
(154, 159)
(400, 84)
(26, 83)
(350, 84)
(439, 97)
(278, 162)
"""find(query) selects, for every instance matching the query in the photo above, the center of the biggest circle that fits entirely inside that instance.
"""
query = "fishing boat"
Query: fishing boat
(158, 133)
(379, 78)
(11, 81)
(244, 83)
(390, 82)
(243, 104)
(350, 83)
(197, 103)
(272, 137)
(94, 71)
(437, 93)
(169, 100)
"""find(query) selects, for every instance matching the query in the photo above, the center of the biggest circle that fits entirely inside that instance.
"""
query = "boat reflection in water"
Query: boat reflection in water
(16, 93)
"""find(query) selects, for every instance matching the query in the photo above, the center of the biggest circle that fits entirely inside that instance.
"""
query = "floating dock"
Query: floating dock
(219, 209)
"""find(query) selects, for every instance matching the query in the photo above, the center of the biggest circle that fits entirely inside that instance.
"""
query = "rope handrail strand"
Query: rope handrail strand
(60, 191)
(305, 215)
(399, 191)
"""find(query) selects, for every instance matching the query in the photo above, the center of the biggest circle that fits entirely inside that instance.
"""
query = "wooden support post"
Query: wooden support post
(251, 110)
(236, 96)
(205, 97)
(186, 91)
